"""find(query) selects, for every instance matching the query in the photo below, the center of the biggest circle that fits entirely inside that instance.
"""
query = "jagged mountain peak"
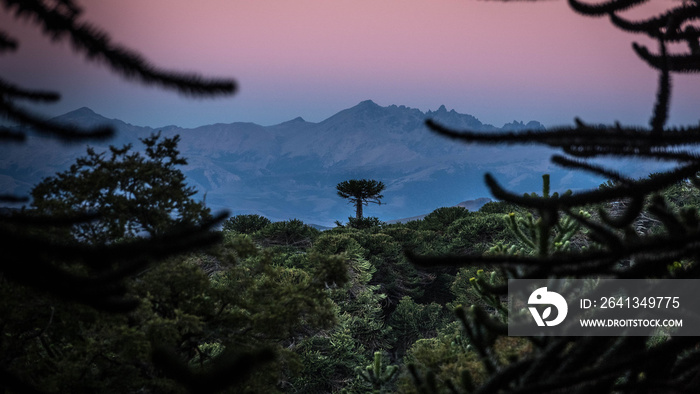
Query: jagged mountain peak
(367, 104)
(80, 113)
(297, 120)
(516, 126)
(85, 117)
(456, 119)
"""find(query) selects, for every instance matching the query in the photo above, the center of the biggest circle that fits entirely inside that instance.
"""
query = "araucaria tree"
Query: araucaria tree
(361, 192)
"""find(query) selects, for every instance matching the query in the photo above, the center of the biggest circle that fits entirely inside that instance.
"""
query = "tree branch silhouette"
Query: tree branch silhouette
(601, 364)
(32, 257)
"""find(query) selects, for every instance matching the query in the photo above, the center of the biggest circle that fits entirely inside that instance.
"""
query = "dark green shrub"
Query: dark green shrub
(363, 223)
(450, 357)
(246, 224)
(464, 292)
(333, 243)
(411, 322)
(289, 233)
(417, 240)
(441, 218)
(396, 276)
(501, 207)
(329, 361)
(477, 232)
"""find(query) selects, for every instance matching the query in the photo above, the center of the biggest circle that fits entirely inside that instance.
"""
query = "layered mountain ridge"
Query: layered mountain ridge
(290, 170)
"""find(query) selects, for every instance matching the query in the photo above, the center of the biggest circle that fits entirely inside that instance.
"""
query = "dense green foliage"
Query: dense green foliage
(129, 192)
(340, 310)
(245, 224)
(363, 222)
(329, 311)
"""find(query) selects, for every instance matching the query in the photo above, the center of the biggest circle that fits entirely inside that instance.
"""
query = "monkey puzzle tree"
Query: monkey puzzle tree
(361, 192)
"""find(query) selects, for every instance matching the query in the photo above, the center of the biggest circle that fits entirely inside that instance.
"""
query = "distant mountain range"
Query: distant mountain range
(290, 170)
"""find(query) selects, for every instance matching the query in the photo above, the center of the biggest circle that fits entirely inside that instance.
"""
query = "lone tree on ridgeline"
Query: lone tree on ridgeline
(361, 192)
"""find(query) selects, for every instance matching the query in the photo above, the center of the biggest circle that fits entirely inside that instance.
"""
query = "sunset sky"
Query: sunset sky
(312, 58)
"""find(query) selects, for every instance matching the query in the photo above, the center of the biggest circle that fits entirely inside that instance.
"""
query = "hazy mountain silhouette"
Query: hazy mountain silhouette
(290, 170)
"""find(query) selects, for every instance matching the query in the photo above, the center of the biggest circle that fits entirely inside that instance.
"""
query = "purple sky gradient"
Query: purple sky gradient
(313, 58)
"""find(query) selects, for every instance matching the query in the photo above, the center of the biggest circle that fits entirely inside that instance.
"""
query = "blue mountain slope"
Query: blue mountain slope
(290, 170)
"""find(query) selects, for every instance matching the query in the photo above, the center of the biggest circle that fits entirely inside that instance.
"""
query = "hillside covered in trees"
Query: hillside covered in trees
(338, 309)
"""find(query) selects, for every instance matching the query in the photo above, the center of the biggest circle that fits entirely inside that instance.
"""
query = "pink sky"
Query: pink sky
(313, 58)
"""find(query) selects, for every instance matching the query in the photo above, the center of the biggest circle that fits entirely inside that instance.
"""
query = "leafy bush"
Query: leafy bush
(396, 276)
(333, 243)
(440, 219)
(501, 207)
(418, 240)
(290, 233)
(329, 361)
(411, 322)
(477, 232)
(444, 357)
(364, 222)
(464, 292)
(448, 359)
(245, 224)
